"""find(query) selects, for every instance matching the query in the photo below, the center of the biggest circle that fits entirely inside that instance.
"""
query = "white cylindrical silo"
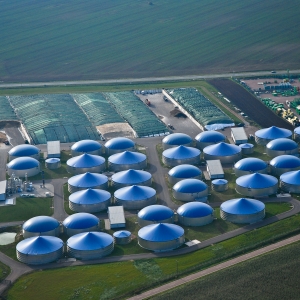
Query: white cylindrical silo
(25, 150)
(184, 172)
(190, 190)
(282, 146)
(127, 160)
(86, 146)
(181, 155)
(177, 139)
(23, 166)
(154, 214)
(118, 145)
(122, 237)
(207, 138)
(250, 165)
(264, 136)
(52, 163)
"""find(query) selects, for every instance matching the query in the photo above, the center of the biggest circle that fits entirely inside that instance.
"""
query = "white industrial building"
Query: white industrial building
(214, 169)
(239, 135)
(3, 185)
(116, 216)
(53, 149)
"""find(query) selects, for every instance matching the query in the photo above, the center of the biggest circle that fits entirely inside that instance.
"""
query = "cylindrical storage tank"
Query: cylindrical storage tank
(250, 165)
(297, 134)
(242, 210)
(284, 163)
(281, 146)
(86, 163)
(40, 250)
(181, 155)
(41, 225)
(219, 185)
(80, 222)
(90, 200)
(86, 181)
(131, 177)
(161, 237)
(23, 165)
(25, 150)
(247, 148)
(290, 182)
(264, 136)
(207, 138)
(195, 214)
(255, 185)
(119, 144)
(184, 172)
(154, 214)
(90, 245)
(135, 196)
(122, 237)
(86, 146)
(177, 139)
(127, 160)
(52, 163)
(190, 190)
(226, 153)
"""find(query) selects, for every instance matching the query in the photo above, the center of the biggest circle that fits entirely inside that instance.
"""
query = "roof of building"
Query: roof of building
(222, 149)
(251, 164)
(181, 152)
(256, 181)
(127, 157)
(239, 133)
(246, 146)
(285, 161)
(40, 224)
(116, 214)
(85, 160)
(90, 196)
(122, 234)
(53, 147)
(273, 132)
(210, 137)
(242, 206)
(52, 160)
(23, 163)
(81, 221)
(195, 210)
(214, 167)
(135, 192)
(24, 150)
(190, 185)
(219, 181)
(292, 177)
(177, 139)
(119, 143)
(185, 171)
(155, 213)
(87, 180)
(131, 176)
(3, 185)
(282, 144)
(86, 146)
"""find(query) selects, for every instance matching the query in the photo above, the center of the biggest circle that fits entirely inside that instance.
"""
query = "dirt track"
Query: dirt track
(249, 104)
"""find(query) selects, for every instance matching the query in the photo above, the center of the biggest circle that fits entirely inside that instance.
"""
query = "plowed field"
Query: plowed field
(249, 104)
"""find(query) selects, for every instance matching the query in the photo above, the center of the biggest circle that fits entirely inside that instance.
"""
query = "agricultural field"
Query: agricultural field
(67, 40)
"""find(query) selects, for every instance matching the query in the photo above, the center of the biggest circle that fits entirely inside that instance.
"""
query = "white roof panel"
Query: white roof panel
(53, 147)
(214, 167)
(116, 215)
(3, 187)
(239, 133)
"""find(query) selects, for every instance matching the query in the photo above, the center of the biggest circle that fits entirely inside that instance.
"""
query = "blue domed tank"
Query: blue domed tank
(153, 214)
(281, 146)
(122, 237)
(86, 146)
(207, 138)
(290, 182)
(284, 163)
(127, 160)
(119, 144)
(247, 148)
(264, 136)
(177, 139)
(297, 134)
(23, 166)
(131, 177)
(250, 165)
(52, 163)
(219, 185)
(24, 150)
(184, 171)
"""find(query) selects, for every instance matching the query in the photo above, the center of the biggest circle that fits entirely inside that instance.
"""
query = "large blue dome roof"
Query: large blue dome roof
(155, 213)
(161, 232)
(177, 139)
(256, 181)
(87, 180)
(297, 130)
(282, 144)
(122, 234)
(90, 241)
(81, 221)
(85, 161)
(181, 152)
(119, 143)
(40, 224)
(89, 196)
(210, 137)
(135, 192)
(86, 146)
(222, 149)
(190, 186)
(185, 171)
(194, 210)
(251, 164)
(242, 206)
(285, 161)
(23, 163)
(127, 157)
(292, 177)
(39, 245)
(131, 176)
(24, 150)
(273, 133)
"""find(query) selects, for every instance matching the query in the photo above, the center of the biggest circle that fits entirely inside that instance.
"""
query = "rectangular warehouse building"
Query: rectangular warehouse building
(116, 216)
(239, 135)
(53, 149)
(214, 169)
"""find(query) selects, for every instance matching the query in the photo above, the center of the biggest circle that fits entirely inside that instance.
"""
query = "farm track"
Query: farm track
(249, 104)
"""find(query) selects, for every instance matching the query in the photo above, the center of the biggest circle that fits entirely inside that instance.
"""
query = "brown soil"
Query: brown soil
(3, 137)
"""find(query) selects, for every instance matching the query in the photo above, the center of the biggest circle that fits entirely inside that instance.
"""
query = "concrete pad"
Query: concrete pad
(112, 130)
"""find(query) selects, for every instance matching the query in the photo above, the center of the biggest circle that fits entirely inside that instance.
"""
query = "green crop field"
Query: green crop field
(48, 40)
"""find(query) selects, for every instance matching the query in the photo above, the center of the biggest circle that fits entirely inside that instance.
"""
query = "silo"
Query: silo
(290, 182)
(52, 163)
(226, 153)
(184, 172)
(256, 185)
(242, 210)
(207, 138)
(181, 155)
(24, 150)
(281, 146)
(219, 185)
(247, 148)
(190, 190)
(135, 196)
(86, 163)
(41, 225)
(284, 163)
(90, 245)
(80, 222)
(131, 177)
(250, 165)
(86, 146)
(86, 181)
(89, 200)
(177, 139)
(23, 166)
(119, 144)
(122, 237)
(154, 214)
(297, 134)
(39, 250)
(161, 237)
(264, 136)
(127, 160)
(195, 214)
